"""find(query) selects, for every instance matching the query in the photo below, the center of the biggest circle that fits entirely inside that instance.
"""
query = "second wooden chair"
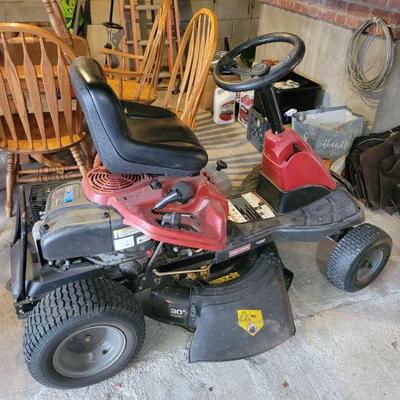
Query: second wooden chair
(141, 85)
(192, 66)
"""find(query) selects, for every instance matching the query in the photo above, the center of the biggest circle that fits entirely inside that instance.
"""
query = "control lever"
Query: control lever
(171, 219)
(181, 192)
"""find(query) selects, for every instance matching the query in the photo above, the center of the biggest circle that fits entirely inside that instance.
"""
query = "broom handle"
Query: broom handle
(110, 19)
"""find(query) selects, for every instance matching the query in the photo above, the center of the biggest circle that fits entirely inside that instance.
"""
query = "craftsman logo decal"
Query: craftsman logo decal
(250, 320)
(239, 250)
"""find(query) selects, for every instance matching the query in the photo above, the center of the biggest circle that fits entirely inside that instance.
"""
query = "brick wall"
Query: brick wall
(347, 13)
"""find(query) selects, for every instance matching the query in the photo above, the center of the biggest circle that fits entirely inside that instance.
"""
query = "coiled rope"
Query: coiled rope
(354, 71)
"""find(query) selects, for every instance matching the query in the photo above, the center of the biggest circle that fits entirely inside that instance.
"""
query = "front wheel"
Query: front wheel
(358, 258)
(82, 333)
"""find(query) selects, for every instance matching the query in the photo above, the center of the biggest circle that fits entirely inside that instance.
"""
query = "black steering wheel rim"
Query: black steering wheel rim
(287, 64)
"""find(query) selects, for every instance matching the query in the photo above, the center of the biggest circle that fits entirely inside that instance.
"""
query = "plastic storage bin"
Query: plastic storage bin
(330, 131)
(305, 97)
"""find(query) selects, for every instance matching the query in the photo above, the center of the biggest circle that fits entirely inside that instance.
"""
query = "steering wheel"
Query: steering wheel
(260, 75)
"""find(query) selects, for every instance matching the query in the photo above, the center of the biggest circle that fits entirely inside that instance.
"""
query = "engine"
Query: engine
(73, 227)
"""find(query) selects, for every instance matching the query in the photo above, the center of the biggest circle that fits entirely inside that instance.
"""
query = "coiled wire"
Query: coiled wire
(354, 72)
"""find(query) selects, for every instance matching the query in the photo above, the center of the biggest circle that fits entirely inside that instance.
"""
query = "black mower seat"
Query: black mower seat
(132, 137)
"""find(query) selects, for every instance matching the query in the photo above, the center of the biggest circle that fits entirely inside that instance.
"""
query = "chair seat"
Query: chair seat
(130, 87)
(52, 143)
(156, 136)
(133, 110)
(138, 110)
(159, 130)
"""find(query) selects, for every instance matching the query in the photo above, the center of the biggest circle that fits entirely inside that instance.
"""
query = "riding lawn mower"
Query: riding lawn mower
(148, 232)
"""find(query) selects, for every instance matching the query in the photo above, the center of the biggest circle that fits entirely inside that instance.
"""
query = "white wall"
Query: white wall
(388, 113)
(22, 11)
(237, 19)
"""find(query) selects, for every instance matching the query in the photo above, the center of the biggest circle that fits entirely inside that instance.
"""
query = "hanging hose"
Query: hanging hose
(354, 72)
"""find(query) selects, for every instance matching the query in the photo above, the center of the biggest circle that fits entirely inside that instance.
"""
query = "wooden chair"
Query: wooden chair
(192, 64)
(38, 112)
(140, 85)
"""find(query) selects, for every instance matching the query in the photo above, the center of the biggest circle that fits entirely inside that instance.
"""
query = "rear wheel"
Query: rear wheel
(82, 333)
(358, 258)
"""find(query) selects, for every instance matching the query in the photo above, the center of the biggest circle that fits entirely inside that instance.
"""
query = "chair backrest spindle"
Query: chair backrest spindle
(50, 91)
(14, 84)
(151, 62)
(57, 20)
(34, 91)
(192, 63)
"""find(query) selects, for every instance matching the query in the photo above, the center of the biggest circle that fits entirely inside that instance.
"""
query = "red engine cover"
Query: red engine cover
(290, 163)
(203, 218)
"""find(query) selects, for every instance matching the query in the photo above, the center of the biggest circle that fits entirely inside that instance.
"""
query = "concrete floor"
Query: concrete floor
(347, 346)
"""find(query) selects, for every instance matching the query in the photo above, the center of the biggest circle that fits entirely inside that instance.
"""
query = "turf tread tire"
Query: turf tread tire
(349, 252)
(81, 300)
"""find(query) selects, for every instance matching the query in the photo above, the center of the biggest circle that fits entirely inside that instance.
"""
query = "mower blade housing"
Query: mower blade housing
(245, 317)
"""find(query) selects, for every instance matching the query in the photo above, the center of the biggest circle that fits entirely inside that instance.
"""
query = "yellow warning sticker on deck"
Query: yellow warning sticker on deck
(250, 320)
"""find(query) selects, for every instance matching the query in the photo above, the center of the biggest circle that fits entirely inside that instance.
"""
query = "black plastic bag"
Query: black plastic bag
(373, 168)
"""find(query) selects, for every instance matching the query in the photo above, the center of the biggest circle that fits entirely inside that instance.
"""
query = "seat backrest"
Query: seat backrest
(103, 111)
(192, 65)
(36, 100)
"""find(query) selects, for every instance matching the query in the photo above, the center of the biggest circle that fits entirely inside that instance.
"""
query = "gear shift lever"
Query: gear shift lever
(181, 192)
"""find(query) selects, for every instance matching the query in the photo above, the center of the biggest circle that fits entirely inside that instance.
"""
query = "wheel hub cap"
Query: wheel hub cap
(370, 266)
(89, 351)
